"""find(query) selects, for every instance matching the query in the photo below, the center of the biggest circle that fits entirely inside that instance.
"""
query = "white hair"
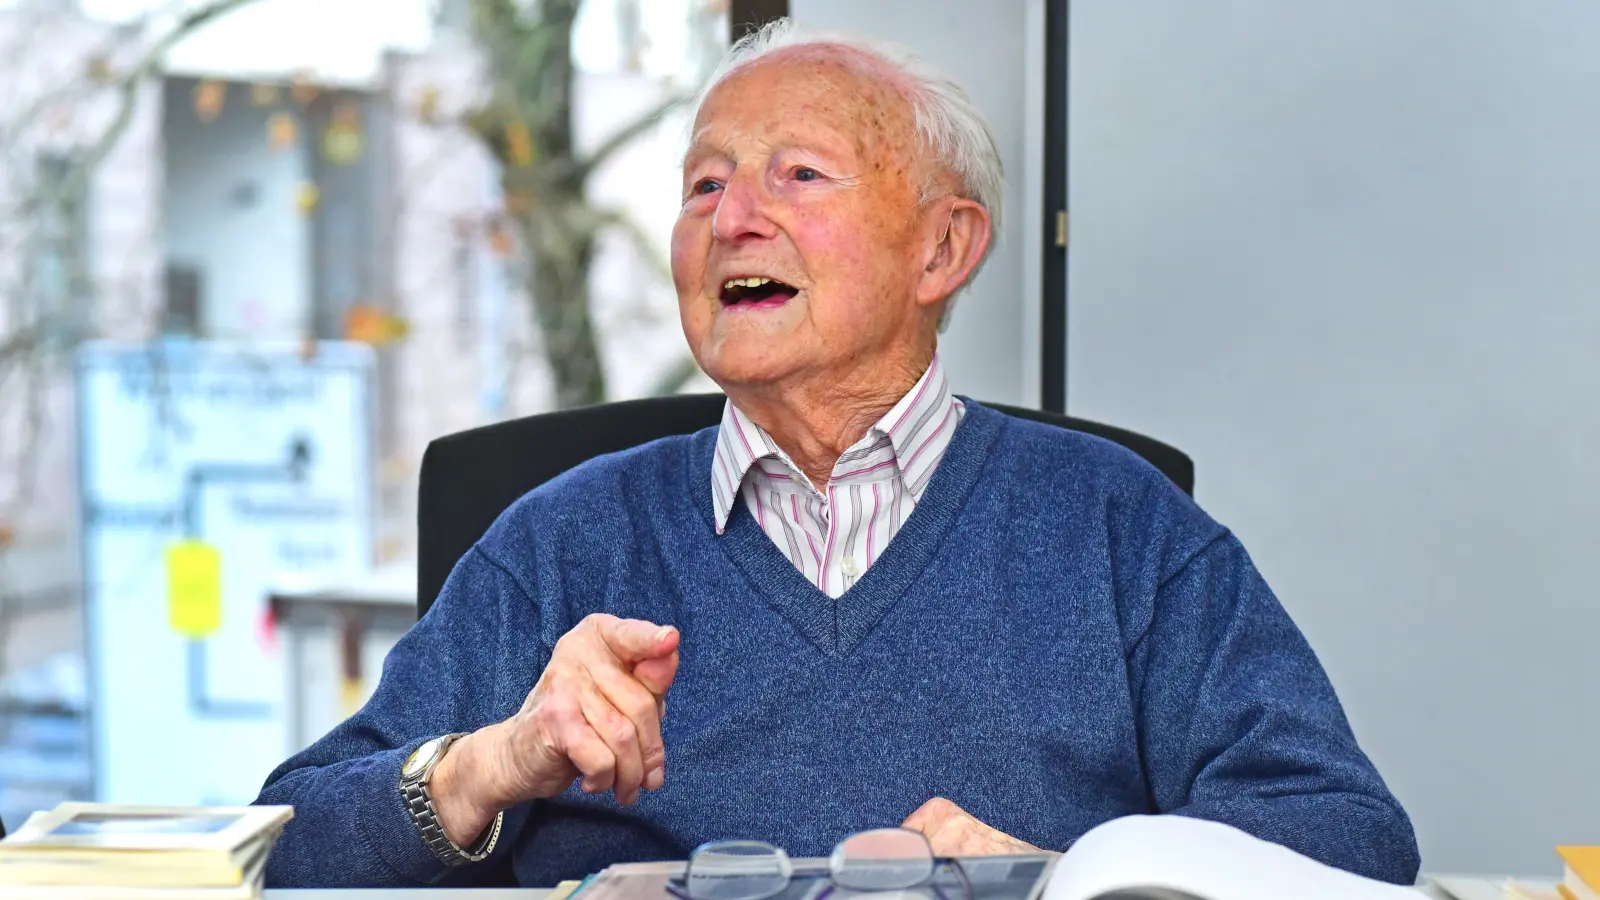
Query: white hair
(947, 122)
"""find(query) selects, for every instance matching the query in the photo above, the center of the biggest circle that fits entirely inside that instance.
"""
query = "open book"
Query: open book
(1179, 858)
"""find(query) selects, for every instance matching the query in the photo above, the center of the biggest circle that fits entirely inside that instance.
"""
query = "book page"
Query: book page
(88, 829)
(1204, 859)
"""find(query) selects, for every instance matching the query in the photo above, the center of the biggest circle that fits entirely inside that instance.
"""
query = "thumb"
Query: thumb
(657, 674)
(632, 640)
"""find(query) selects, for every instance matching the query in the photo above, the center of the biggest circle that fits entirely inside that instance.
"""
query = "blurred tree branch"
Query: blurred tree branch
(36, 339)
(36, 336)
(147, 66)
(625, 135)
(526, 123)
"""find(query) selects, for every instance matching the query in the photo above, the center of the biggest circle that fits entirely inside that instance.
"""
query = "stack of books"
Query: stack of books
(93, 851)
(1582, 881)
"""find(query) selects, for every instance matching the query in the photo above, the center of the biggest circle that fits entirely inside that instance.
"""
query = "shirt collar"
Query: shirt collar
(910, 425)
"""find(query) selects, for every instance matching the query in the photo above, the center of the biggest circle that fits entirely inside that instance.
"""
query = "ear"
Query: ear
(954, 250)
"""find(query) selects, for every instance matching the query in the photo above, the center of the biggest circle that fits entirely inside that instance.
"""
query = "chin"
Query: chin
(747, 363)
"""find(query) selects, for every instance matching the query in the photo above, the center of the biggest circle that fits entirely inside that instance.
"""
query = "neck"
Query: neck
(814, 420)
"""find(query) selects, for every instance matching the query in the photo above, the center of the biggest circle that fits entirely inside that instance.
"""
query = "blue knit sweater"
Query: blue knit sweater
(1056, 637)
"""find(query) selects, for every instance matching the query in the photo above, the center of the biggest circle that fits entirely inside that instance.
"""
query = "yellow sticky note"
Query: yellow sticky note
(194, 588)
(350, 695)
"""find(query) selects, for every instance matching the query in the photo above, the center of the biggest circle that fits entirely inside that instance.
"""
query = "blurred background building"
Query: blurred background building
(261, 174)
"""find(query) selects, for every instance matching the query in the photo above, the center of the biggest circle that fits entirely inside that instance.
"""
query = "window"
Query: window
(60, 276)
(181, 314)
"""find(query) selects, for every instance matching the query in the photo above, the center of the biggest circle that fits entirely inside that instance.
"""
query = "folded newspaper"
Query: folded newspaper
(97, 851)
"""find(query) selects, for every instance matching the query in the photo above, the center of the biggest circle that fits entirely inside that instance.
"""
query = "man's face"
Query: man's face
(800, 172)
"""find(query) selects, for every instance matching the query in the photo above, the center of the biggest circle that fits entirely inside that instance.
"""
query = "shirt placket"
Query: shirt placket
(824, 514)
(805, 519)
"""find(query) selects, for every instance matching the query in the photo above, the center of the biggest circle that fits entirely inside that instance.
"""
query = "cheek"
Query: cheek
(690, 243)
(836, 246)
(853, 256)
(690, 246)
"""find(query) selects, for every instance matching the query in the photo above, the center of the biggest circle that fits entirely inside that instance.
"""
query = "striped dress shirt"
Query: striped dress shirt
(834, 535)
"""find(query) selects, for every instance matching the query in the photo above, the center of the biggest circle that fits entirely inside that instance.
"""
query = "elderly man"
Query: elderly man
(859, 602)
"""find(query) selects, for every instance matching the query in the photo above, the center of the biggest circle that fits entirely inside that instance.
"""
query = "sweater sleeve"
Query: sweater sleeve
(447, 674)
(1239, 724)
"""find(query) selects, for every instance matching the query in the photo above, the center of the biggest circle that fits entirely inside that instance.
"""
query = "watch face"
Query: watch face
(419, 759)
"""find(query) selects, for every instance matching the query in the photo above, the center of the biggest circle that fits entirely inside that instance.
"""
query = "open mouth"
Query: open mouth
(756, 291)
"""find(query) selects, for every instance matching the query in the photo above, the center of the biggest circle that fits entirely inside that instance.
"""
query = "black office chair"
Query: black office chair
(470, 477)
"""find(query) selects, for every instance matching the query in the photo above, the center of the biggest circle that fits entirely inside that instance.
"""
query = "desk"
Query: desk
(1490, 890)
(1481, 887)
(412, 894)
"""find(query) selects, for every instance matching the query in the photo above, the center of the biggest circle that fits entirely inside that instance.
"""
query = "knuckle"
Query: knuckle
(650, 742)
(592, 757)
(654, 758)
(623, 732)
(563, 715)
(566, 646)
(565, 683)
(638, 708)
(597, 621)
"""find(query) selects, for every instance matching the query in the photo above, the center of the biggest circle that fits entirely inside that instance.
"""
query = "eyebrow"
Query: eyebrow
(700, 150)
(696, 153)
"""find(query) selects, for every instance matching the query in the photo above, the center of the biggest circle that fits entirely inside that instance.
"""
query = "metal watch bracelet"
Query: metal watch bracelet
(419, 802)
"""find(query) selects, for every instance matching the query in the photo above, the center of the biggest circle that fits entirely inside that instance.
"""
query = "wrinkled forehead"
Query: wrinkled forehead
(817, 91)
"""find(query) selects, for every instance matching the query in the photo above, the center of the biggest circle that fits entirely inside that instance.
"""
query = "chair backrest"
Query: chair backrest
(470, 477)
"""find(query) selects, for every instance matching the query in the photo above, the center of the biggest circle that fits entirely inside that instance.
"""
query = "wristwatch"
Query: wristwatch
(414, 777)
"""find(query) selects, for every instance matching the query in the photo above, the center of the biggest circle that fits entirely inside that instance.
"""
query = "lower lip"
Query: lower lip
(774, 303)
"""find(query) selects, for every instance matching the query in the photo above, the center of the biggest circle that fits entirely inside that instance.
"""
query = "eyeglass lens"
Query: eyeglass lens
(737, 870)
(885, 859)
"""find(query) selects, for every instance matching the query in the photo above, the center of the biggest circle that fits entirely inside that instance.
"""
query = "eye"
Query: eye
(806, 173)
(704, 186)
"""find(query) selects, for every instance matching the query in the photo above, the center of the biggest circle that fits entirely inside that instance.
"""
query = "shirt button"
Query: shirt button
(848, 565)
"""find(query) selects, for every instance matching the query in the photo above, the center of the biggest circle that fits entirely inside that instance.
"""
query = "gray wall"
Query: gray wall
(230, 211)
(991, 349)
(1344, 254)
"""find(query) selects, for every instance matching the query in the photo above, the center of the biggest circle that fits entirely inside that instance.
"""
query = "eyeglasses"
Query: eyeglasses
(884, 859)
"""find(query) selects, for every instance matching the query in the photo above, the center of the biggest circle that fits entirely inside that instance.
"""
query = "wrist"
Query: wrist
(463, 795)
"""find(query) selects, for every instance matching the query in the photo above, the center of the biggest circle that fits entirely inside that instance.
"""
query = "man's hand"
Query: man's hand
(954, 832)
(595, 713)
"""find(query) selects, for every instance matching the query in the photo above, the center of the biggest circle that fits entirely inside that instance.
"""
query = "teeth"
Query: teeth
(746, 282)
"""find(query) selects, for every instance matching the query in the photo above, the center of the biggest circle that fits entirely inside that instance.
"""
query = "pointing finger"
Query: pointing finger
(632, 640)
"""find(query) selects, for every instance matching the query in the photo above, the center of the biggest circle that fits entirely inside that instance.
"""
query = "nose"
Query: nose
(741, 214)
